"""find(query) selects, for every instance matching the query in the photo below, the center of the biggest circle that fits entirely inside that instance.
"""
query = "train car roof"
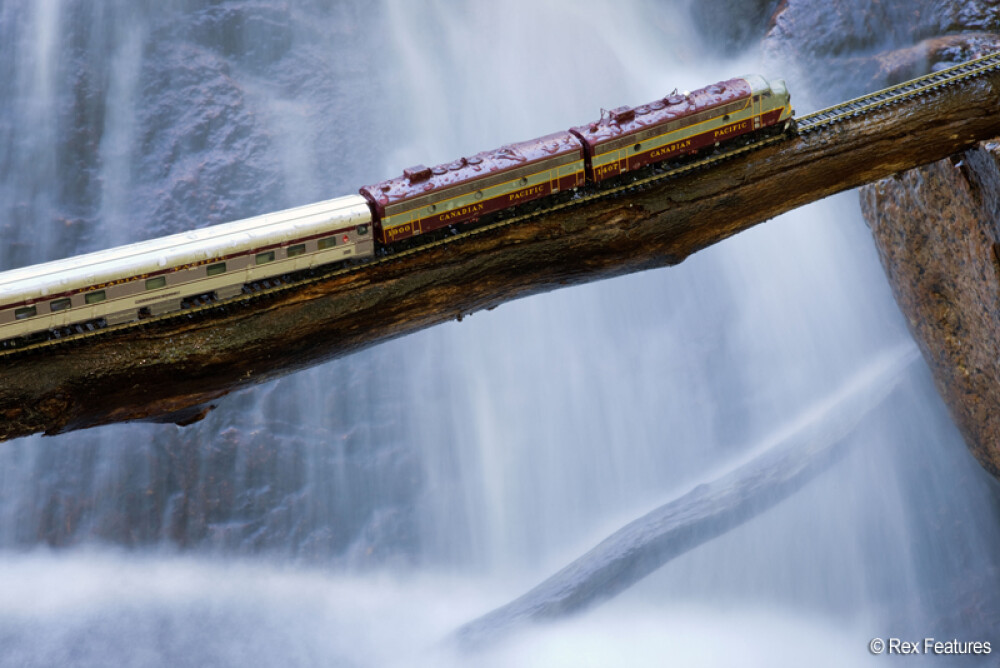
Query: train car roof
(40, 280)
(420, 180)
(626, 120)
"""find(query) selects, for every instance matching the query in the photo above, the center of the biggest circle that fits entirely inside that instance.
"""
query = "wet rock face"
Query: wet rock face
(732, 25)
(848, 47)
(203, 152)
(162, 116)
(819, 29)
(199, 137)
(255, 35)
(238, 490)
(937, 229)
(936, 226)
(267, 478)
(157, 117)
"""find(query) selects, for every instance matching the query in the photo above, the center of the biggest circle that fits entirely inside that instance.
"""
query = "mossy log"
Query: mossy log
(173, 371)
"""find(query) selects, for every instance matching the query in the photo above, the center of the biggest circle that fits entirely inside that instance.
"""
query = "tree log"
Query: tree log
(709, 510)
(174, 370)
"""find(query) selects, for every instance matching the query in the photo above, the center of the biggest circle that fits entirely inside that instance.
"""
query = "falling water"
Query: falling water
(356, 513)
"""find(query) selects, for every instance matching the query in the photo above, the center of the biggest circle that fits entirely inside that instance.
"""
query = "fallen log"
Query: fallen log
(783, 466)
(172, 371)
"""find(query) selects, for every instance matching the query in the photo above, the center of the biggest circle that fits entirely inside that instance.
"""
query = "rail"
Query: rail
(818, 121)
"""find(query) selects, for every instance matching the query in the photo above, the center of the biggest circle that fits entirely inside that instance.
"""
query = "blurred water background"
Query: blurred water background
(354, 514)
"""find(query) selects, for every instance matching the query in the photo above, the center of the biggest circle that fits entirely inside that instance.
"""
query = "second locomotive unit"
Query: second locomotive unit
(165, 275)
(623, 140)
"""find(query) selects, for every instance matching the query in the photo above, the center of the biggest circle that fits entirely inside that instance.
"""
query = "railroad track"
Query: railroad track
(809, 124)
(899, 93)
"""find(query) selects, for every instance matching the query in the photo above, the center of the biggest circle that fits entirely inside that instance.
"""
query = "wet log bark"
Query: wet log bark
(173, 371)
(702, 514)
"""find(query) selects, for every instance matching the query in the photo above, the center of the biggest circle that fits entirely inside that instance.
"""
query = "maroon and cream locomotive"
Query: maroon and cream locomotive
(623, 140)
(157, 277)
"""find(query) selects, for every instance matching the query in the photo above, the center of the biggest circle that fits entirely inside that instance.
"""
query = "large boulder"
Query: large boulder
(844, 48)
(937, 229)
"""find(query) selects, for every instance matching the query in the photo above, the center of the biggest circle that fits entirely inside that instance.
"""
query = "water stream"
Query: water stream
(356, 513)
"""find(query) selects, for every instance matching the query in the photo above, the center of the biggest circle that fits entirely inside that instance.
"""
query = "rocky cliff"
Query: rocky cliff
(183, 488)
(935, 226)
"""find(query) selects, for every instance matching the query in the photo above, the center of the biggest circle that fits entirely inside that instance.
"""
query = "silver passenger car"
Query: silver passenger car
(154, 277)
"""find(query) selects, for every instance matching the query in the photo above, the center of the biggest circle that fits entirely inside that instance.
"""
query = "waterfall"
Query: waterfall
(356, 513)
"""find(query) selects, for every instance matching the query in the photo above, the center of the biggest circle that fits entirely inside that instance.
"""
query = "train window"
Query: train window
(329, 242)
(60, 304)
(25, 312)
(156, 282)
(362, 230)
(264, 258)
(215, 269)
(95, 297)
(297, 249)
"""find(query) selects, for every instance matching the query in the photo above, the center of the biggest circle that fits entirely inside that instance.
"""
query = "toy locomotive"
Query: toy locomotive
(160, 276)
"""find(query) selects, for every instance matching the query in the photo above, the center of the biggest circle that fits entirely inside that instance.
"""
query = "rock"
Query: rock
(188, 99)
(253, 33)
(199, 138)
(278, 490)
(844, 48)
(937, 229)
(732, 25)
(935, 226)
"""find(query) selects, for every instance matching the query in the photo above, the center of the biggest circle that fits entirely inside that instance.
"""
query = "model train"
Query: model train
(159, 276)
